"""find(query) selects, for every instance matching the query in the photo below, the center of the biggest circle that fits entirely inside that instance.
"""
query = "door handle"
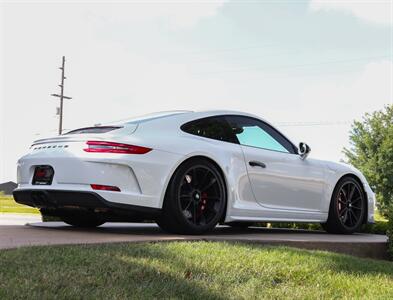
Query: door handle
(254, 163)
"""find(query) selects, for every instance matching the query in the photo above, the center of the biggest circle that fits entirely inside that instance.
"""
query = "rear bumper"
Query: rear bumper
(141, 178)
(57, 202)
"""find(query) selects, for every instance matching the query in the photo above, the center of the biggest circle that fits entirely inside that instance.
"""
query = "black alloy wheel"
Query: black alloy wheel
(349, 205)
(347, 208)
(200, 195)
(195, 200)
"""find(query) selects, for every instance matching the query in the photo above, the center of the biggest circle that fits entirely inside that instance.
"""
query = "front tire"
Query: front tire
(195, 200)
(347, 207)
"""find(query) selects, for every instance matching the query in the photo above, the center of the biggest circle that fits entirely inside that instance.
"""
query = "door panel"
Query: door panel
(279, 178)
(286, 181)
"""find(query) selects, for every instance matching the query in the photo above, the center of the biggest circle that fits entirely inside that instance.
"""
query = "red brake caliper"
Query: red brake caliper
(204, 199)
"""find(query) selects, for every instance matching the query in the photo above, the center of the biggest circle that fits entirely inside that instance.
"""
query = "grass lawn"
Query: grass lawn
(189, 270)
(8, 205)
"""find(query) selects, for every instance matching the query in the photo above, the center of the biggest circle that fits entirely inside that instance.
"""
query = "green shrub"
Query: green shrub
(287, 225)
(306, 226)
(371, 152)
(389, 232)
(379, 227)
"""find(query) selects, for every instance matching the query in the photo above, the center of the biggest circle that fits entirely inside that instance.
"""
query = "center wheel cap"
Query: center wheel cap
(197, 196)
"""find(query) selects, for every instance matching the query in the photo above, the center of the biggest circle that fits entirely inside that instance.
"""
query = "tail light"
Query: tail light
(110, 147)
(105, 187)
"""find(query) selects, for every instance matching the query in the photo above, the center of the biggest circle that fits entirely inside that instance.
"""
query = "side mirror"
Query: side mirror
(304, 150)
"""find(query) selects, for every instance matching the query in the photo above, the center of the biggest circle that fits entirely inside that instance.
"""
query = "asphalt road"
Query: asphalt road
(58, 233)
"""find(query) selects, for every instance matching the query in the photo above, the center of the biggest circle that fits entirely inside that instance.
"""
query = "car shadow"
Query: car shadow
(153, 229)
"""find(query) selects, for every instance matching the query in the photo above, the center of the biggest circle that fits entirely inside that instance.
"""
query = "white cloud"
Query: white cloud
(176, 13)
(342, 100)
(109, 77)
(377, 11)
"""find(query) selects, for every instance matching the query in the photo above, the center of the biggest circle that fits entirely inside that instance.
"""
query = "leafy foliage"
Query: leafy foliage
(389, 231)
(380, 226)
(372, 153)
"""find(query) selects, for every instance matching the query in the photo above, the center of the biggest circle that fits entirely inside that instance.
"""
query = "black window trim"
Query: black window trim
(295, 150)
(224, 117)
(236, 142)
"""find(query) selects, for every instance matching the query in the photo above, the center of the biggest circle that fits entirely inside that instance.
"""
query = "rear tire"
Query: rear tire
(347, 207)
(84, 221)
(195, 199)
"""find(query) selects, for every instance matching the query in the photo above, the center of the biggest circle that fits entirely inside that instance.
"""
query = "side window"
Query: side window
(216, 128)
(255, 133)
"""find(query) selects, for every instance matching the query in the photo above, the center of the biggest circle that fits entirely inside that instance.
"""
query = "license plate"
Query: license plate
(43, 175)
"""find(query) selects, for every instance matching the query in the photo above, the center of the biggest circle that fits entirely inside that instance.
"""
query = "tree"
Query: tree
(371, 152)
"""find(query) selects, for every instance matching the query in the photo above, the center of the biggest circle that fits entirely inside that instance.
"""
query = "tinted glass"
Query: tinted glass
(255, 133)
(216, 128)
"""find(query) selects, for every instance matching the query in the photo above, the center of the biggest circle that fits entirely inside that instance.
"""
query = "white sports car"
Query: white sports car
(189, 171)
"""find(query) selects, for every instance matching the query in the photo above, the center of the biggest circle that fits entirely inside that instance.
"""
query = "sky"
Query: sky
(309, 67)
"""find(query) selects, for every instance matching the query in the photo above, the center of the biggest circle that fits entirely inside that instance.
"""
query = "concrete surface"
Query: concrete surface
(58, 233)
(18, 219)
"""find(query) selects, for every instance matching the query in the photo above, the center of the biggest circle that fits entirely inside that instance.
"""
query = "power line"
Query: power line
(230, 59)
(344, 61)
(222, 50)
(318, 123)
(286, 49)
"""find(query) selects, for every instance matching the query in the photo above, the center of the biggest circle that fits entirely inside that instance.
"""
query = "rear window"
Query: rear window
(97, 129)
(216, 128)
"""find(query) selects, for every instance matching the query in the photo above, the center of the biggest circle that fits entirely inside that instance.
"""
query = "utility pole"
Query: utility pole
(61, 96)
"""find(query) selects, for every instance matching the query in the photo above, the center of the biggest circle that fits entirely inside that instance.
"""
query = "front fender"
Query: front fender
(336, 171)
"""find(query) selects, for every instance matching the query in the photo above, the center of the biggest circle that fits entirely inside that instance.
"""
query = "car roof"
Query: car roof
(177, 115)
(147, 117)
(210, 113)
(175, 118)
